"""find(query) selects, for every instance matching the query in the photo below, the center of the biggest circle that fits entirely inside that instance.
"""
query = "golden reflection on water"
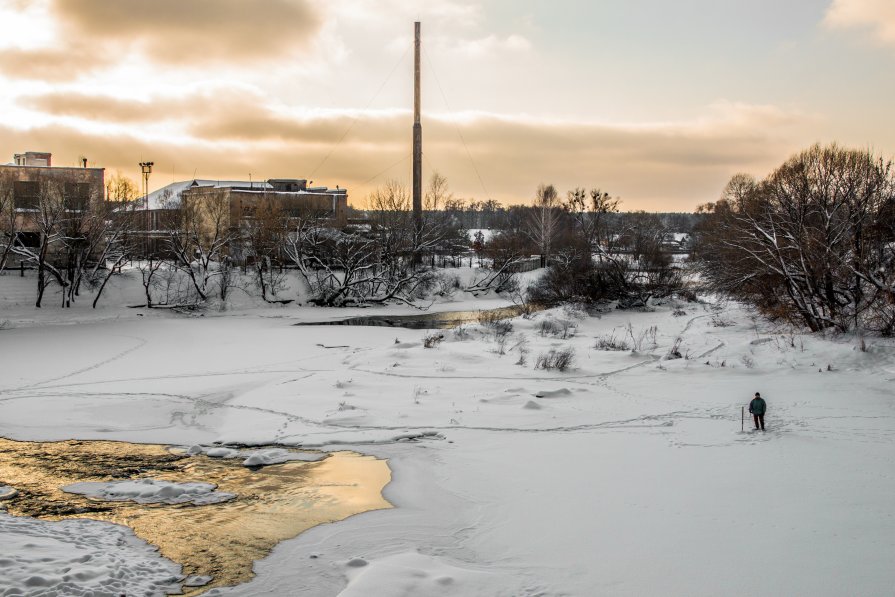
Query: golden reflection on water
(221, 540)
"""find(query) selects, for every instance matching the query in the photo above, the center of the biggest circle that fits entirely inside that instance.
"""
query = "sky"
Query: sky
(658, 103)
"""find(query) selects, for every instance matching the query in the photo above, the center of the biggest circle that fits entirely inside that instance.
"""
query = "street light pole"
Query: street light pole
(147, 170)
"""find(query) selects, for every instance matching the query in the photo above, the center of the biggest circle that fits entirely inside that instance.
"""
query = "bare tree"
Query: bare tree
(149, 268)
(591, 211)
(117, 243)
(121, 190)
(44, 213)
(810, 242)
(359, 265)
(8, 222)
(505, 252)
(545, 220)
(263, 235)
(200, 237)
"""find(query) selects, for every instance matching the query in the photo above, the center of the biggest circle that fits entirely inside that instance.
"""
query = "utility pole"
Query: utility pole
(417, 147)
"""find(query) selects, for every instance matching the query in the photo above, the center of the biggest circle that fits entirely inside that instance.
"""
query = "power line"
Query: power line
(401, 161)
(356, 118)
(456, 128)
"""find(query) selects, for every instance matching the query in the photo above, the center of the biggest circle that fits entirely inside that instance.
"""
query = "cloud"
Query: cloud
(195, 31)
(116, 110)
(488, 45)
(52, 64)
(877, 16)
(663, 166)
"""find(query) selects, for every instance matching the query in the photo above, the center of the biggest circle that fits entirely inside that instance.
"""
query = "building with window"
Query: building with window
(31, 183)
(289, 197)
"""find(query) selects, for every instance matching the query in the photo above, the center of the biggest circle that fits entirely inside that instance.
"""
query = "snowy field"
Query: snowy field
(625, 475)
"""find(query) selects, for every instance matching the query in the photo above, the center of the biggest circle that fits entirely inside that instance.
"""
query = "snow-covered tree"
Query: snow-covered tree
(812, 242)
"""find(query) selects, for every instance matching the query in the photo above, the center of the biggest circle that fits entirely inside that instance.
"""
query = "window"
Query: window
(28, 239)
(26, 194)
(77, 195)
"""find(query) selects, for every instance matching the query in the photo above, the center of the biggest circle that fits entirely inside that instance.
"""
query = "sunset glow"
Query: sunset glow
(658, 103)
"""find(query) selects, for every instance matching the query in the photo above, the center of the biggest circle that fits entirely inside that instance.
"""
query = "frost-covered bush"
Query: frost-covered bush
(560, 360)
(446, 284)
(432, 340)
(548, 327)
(610, 342)
(675, 351)
(642, 338)
(562, 328)
(574, 311)
(494, 322)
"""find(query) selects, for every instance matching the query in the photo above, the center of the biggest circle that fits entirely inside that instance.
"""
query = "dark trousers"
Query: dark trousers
(759, 421)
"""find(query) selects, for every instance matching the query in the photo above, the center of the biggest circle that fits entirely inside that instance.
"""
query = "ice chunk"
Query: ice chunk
(151, 491)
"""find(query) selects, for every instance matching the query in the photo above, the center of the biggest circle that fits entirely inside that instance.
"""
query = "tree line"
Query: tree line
(812, 243)
(193, 251)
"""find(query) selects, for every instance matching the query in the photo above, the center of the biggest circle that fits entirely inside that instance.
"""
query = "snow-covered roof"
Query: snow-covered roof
(169, 196)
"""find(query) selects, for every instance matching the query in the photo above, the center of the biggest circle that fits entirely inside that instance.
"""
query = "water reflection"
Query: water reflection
(221, 540)
(430, 321)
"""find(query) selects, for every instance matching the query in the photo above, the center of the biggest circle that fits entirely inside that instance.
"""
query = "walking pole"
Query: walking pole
(742, 418)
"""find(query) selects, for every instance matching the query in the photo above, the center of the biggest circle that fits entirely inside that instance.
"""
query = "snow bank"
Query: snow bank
(279, 456)
(80, 558)
(411, 574)
(264, 457)
(554, 393)
(151, 491)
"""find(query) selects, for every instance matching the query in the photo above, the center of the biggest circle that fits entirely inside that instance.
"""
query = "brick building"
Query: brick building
(243, 199)
(32, 179)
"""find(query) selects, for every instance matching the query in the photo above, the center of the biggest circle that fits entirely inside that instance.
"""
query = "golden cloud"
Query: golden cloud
(116, 110)
(656, 167)
(52, 64)
(197, 31)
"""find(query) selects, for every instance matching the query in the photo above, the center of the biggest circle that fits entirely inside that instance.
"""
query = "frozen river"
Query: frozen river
(625, 475)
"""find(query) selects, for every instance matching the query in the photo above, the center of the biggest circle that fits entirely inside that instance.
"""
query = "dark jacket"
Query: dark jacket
(758, 406)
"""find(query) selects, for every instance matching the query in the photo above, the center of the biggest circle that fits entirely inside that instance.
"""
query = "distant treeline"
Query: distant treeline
(492, 215)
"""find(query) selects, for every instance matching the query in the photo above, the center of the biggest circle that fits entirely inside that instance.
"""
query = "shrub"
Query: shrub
(432, 340)
(610, 342)
(492, 320)
(675, 351)
(560, 360)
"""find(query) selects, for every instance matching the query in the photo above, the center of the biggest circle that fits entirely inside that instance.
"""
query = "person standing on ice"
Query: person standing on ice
(758, 407)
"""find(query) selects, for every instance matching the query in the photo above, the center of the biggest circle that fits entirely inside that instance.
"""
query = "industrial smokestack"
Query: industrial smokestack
(417, 142)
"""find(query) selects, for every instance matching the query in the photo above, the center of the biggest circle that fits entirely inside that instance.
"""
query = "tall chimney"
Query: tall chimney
(417, 141)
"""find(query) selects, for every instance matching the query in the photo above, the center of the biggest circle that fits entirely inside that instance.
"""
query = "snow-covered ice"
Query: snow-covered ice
(632, 478)
(257, 457)
(151, 491)
(79, 558)
(410, 574)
